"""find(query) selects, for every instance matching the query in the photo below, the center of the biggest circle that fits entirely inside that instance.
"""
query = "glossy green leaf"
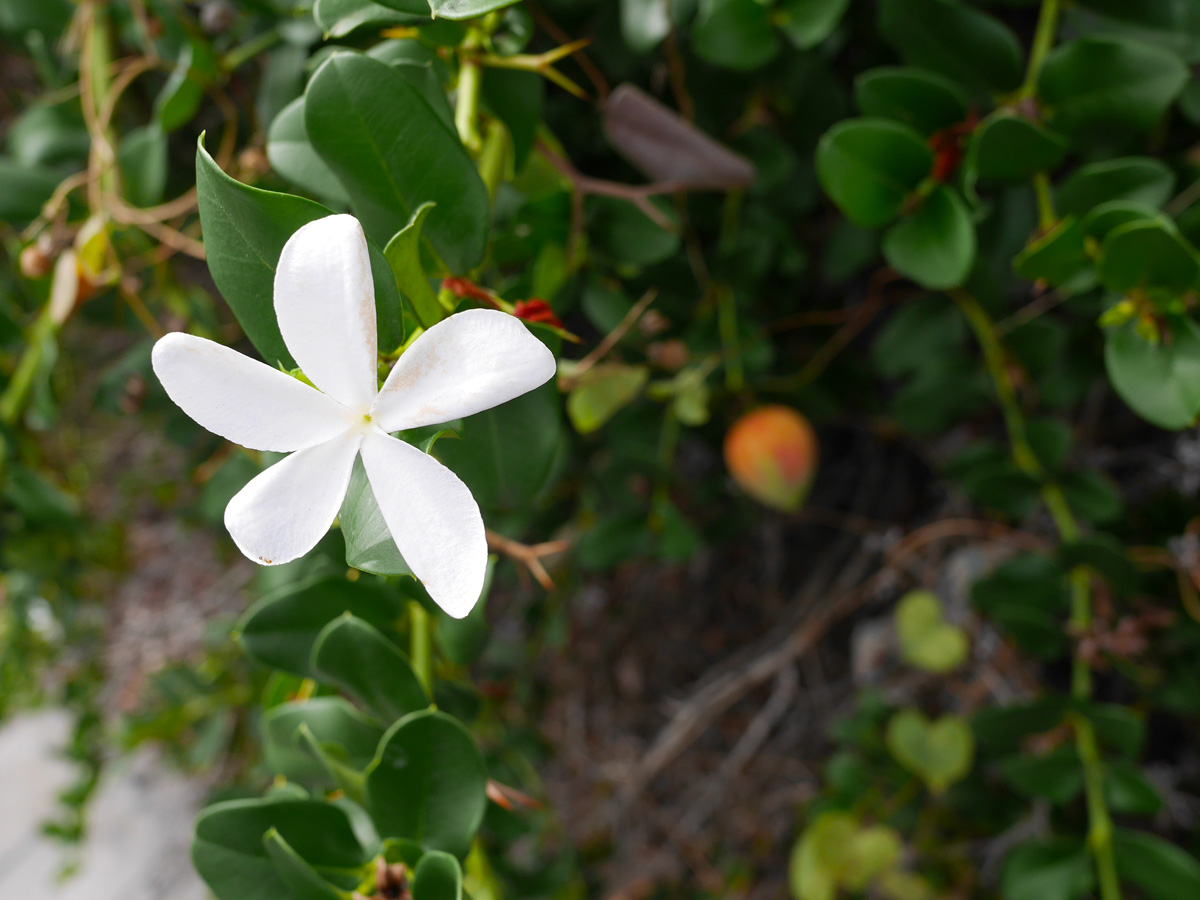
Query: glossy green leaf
(244, 232)
(393, 153)
(940, 753)
(924, 100)
(870, 166)
(602, 392)
(935, 245)
(403, 253)
(517, 99)
(1160, 380)
(837, 851)
(229, 853)
(428, 783)
(369, 544)
(1140, 179)
(281, 628)
(180, 97)
(953, 39)
(292, 156)
(1104, 218)
(508, 455)
(438, 876)
(808, 22)
(734, 34)
(465, 9)
(1096, 86)
(352, 655)
(341, 730)
(339, 18)
(1162, 870)
(302, 881)
(1147, 254)
(1055, 869)
(1009, 147)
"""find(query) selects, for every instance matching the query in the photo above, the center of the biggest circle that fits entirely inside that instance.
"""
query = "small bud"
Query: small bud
(772, 455)
(671, 355)
(535, 310)
(35, 262)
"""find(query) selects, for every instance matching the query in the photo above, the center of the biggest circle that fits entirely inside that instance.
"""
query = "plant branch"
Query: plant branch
(1099, 820)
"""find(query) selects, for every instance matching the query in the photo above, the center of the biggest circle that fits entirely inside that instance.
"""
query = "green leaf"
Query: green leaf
(403, 253)
(143, 160)
(229, 853)
(734, 34)
(1162, 870)
(339, 18)
(292, 156)
(1140, 179)
(428, 783)
(644, 24)
(438, 876)
(626, 234)
(393, 153)
(1057, 776)
(1009, 147)
(1055, 869)
(1050, 440)
(244, 232)
(23, 190)
(1161, 380)
(1094, 496)
(808, 22)
(1098, 86)
(935, 245)
(869, 167)
(465, 9)
(927, 641)
(1128, 790)
(1147, 254)
(369, 544)
(1118, 727)
(953, 39)
(939, 753)
(1026, 596)
(508, 455)
(603, 391)
(281, 628)
(179, 99)
(920, 333)
(517, 99)
(1104, 218)
(302, 881)
(354, 656)
(1059, 257)
(923, 100)
(344, 733)
(836, 851)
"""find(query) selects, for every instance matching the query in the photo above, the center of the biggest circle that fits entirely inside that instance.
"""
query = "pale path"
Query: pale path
(139, 822)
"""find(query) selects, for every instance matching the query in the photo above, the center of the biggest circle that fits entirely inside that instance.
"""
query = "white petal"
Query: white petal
(465, 364)
(325, 303)
(242, 399)
(282, 513)
(433, 519)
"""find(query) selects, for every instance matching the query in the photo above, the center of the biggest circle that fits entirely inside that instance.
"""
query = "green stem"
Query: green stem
(1099, 821)
(727, 325)
(243, 53)
(421, 645)
(1043, 40)
(16, 392)
(1045, 201)
(466, 104)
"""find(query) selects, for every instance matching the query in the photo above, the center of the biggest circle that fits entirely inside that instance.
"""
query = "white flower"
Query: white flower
(325, 303)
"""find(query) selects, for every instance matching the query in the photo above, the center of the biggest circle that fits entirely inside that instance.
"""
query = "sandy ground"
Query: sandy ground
(140, 823)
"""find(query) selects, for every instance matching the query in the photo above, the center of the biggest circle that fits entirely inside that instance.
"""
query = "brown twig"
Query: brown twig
(528, 555)
(610, 340)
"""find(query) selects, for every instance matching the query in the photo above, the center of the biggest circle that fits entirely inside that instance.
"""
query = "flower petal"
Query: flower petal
(465, 364)
(282, 513)
(242, 399)
(325, 303)
(433, 519)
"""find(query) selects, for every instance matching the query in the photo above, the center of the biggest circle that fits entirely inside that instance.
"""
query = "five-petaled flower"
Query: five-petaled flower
(325, 304)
